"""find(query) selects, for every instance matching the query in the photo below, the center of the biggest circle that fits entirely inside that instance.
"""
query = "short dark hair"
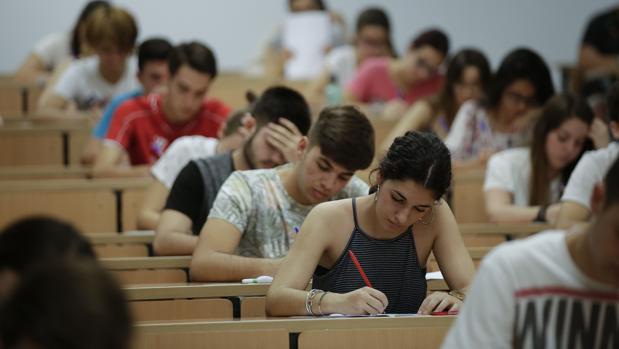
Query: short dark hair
(67, 304)
(196, 55)
(611, 183)
(522, 63)
(373, 16)
(76, 42)
(36, 240)
(434, 38)
(282, 102)
(344, 135)
(421, 157)
(155, 49)
(613, 103)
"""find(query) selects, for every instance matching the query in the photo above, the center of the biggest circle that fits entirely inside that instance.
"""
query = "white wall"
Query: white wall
(234, 28)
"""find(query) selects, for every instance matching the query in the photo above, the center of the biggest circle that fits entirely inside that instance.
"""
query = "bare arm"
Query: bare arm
(153, 204)
(571, 213)
(500, 209)
(173, 234)
(214, 259)
(453, 260)
(418, 116)
(108, 165)
(32, 70)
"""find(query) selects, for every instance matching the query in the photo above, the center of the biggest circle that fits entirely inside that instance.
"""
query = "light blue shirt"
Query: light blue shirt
(100, 130)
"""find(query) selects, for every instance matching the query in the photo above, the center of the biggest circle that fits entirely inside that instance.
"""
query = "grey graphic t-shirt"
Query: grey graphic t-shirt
(257, 204)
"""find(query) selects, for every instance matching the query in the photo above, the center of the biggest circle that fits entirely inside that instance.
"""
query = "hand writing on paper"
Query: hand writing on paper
(363, 301)
(285, 137)
(439, 301)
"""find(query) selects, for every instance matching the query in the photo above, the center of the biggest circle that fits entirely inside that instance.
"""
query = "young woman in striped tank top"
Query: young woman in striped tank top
(368, 255)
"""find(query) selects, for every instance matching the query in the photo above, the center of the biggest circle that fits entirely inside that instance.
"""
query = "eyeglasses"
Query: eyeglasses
(517, 98)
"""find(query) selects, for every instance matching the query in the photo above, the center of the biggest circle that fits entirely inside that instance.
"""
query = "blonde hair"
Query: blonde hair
(111, 26)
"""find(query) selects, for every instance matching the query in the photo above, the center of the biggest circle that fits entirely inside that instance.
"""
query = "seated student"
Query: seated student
(552, 290)
(524, 184)
(372, 39)
(280, 116)
(36, 240)
(592, 167)
(66, 304)
(152, 73)
(255, 214)
(56, 48)
(387, 235)
(273, 55)
(521, 83)
(180, 153)
(598, 58)
(88, 84)
(142, 128)
(467, 78)
(401, 81)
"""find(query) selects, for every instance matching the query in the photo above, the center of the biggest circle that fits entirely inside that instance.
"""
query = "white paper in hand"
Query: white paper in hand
(306, 35)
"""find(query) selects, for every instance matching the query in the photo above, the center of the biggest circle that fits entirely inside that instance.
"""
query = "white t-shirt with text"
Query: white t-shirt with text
(530, 294)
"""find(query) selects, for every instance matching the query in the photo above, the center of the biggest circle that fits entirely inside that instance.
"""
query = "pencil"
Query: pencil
(358, 265)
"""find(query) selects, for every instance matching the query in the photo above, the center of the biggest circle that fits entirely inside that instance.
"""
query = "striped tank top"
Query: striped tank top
(390, 265)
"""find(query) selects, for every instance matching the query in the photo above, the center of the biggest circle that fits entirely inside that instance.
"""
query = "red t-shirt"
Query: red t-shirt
(140, 127)
(372, 83)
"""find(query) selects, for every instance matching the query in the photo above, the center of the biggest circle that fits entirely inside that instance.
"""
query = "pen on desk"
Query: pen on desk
(296, 230)
(358, 265)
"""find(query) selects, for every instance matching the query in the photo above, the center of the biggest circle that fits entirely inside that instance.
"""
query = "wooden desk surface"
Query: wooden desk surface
(215, 290)
(194, 290)
(133, 237)
(48, 171)
(74, 184)
(297, 324)
(182, 262)
(131, 263)
(516, 230)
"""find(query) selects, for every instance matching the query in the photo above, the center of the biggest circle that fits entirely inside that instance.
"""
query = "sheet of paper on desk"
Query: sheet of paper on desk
(306, 35)
(435, 275)
(375, 315)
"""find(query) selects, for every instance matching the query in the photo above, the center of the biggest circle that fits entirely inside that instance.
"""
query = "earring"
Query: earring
(376, 193)
(420, 220)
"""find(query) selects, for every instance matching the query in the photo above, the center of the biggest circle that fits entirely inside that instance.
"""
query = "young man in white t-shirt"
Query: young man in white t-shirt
(257, 213)
(88, 84)
(591, 168)
(553, 290)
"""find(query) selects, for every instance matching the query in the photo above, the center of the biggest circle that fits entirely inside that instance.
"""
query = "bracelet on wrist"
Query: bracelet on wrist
(457, 294)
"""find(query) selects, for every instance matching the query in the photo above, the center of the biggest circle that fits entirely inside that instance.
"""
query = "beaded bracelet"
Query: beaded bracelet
(320, 303)
(309, 300)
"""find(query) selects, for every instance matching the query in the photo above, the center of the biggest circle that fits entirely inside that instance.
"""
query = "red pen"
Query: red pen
(439, 313)
(363, 276)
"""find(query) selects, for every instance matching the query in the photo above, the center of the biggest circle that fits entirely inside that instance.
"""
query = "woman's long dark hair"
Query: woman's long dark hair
(556, 111)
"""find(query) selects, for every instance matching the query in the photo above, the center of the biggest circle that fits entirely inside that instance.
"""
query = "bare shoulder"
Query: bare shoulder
(331, 215)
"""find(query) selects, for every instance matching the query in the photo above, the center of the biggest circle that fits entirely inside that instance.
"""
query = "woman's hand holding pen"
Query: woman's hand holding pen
(365, 300)
(439, 302)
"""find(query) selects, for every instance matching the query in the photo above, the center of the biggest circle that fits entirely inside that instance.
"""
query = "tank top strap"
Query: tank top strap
(354, 215)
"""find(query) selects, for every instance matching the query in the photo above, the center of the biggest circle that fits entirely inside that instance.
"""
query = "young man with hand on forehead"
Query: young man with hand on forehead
(143, 127)
(256, 213)
(276, 122)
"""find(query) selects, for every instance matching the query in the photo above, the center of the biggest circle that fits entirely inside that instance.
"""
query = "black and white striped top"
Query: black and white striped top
(390, 265)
